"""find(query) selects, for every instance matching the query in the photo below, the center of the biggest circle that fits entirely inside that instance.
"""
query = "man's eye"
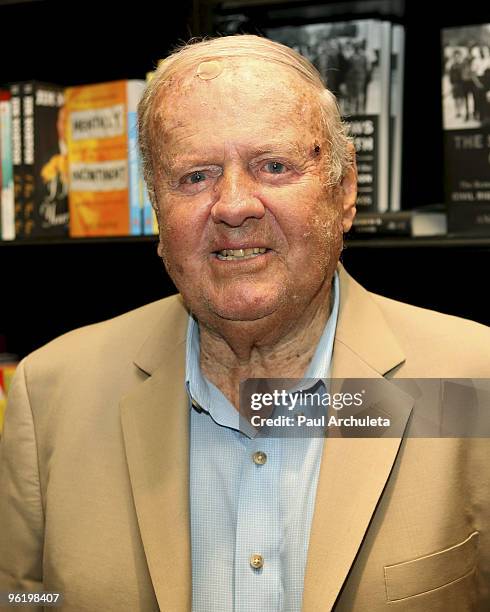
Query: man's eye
(195, 177)
(275, 167)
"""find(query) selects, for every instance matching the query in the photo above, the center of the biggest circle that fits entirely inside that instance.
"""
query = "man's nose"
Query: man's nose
(237, 199)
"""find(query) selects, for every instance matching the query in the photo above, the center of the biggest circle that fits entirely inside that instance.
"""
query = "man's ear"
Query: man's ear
(348, 192)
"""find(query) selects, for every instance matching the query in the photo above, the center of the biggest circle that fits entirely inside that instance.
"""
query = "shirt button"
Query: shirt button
(259, 458)
(257, 561)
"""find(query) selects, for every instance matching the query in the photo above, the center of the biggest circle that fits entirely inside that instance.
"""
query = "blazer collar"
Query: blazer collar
(353, 473)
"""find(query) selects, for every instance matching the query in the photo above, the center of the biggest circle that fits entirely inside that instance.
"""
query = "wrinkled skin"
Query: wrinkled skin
(240, 161)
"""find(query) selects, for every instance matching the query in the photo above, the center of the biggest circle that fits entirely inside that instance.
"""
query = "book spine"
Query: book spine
(17, 157)
(396, 126)
(50, 174)
(6, 375)
(133, 171)
(7, 194)
(135, 90)
(1, 180)
(382, 204)
(28, 143)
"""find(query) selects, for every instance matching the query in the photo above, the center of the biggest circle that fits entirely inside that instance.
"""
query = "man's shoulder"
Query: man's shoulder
(437, 337)
(119, 336)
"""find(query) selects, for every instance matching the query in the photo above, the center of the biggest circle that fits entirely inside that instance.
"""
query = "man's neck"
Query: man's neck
(282, 348)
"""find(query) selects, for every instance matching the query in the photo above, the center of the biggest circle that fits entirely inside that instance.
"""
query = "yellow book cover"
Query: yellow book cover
(6, 375)
(101, 142)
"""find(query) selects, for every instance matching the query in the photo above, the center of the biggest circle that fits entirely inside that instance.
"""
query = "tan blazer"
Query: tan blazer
(94, 471)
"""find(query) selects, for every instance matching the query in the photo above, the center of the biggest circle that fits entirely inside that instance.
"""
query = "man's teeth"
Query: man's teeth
(230, 254)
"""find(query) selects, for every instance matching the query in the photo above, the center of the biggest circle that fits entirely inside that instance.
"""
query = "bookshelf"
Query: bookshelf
(50, 287)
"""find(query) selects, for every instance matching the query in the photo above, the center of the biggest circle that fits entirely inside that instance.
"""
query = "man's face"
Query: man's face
(248, 226)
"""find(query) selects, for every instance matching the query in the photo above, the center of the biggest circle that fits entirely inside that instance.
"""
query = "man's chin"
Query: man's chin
(244, 310)
(242, 313)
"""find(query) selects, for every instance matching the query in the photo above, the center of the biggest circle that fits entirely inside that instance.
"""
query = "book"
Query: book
(45, 174)
(7, 370)
(466, 123)
(17, 158)
(7, 206)
(415, 223)
(396, 114)
(353, 58)
(104, 181)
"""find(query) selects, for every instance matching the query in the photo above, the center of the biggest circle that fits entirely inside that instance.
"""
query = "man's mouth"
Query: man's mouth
(240, 254)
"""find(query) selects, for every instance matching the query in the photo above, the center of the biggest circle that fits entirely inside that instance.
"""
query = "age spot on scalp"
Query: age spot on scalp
(209, 70)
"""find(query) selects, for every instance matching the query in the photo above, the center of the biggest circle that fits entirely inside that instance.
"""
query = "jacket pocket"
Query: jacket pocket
(431, 571)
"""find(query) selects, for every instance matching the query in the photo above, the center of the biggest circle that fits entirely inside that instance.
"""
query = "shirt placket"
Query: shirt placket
(257, 578)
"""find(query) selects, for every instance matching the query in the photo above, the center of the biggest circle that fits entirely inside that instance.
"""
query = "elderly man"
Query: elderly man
(128, 482)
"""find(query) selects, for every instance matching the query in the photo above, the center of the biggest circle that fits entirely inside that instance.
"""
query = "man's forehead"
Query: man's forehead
(201, 152)
(221, 101)
(217, 87)
(239, 75)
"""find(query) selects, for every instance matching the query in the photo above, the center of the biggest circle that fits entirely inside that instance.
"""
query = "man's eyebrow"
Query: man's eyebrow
(277, 148)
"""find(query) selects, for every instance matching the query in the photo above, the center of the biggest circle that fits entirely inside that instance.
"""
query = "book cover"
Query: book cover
(353, 58)
(104, 195)
(7, 206)
(45, 161)
(396, 114)
(466, 122)
(7, 371)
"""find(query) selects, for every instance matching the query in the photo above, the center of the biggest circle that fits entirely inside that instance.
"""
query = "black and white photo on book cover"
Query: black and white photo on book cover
(353, 58)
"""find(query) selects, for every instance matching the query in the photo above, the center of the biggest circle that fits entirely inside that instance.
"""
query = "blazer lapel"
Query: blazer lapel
(354, 471)
(155, 421)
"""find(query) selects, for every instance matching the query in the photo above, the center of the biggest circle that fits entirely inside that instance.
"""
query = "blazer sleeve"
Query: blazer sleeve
(21, 508)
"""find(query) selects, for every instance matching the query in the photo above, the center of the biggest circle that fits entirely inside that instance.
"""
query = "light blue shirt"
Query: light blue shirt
(240, 508)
